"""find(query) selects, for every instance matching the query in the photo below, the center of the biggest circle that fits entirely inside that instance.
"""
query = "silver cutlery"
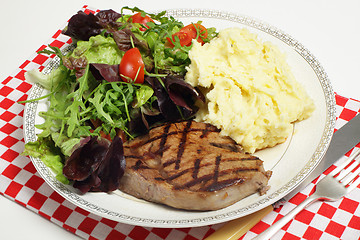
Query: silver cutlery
(332, 187)
(343, 140)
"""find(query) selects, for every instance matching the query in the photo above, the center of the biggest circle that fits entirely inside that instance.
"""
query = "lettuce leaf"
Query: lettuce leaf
(44, 148)
(98, 49)
(49, 81)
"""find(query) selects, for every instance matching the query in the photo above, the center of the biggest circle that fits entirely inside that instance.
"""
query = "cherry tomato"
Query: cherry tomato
(193, 29)
(132, 66)
(137, 18)
(185, 38)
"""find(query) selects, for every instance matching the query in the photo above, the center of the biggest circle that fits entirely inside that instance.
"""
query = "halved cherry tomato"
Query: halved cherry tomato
(189, 32)
(184, 38)
(193, 29)
(137, 18)
(132, 66)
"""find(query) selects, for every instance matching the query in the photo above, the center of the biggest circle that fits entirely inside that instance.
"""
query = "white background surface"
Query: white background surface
(328, 28)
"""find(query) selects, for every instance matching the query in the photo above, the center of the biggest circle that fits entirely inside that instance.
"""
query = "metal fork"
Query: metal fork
(331, 188)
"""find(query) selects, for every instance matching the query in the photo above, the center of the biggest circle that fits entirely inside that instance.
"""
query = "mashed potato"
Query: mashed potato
(251, 93)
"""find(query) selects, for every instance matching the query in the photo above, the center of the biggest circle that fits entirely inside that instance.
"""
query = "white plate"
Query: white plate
(290, 162)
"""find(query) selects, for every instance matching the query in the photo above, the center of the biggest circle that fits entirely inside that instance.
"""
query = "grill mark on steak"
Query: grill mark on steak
(196, 168)
(203, 179)
(182, 144)
(215, 185)
(160, 179)
(231, 147)
(161, 150)
(249, 158)
(164, 137)
(216, 171)
(139, 165)
(168, 163)
(207, 130)
(220, 185)
(179, 174)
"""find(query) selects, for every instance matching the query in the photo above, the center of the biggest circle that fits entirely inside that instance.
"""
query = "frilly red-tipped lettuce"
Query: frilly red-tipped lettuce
(82, 26)
(96, 165)
(108, 18)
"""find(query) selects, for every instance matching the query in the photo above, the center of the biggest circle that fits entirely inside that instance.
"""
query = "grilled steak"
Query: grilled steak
(189, 165)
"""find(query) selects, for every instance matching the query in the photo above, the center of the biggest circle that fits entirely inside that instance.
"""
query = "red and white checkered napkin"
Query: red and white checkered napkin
(321, 220)
(20, 182)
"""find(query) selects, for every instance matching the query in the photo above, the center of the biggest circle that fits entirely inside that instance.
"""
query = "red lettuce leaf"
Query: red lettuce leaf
(108, 19)
(96, 165)
(84, 160)
(181, 92)
(107, 72)
(86, 185)
(176, 98)
(82, 26)
(112, 167)
(166, 106)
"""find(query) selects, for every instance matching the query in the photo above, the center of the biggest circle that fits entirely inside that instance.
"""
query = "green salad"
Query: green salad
(124, 75)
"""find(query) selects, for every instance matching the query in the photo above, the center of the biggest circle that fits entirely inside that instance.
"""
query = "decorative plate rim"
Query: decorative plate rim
(45, 172)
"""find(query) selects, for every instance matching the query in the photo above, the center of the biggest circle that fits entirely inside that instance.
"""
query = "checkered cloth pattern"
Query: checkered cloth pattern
(321, 220)
(20, 181)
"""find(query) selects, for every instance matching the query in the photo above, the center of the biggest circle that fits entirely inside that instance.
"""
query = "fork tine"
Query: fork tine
(347, 171)
(344, 164)
(354, 185)
(348, 178)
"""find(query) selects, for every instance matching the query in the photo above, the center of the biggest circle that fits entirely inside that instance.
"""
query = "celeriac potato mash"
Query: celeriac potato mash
(251, 94)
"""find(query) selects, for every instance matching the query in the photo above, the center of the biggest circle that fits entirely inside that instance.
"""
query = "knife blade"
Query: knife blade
(343, 140)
